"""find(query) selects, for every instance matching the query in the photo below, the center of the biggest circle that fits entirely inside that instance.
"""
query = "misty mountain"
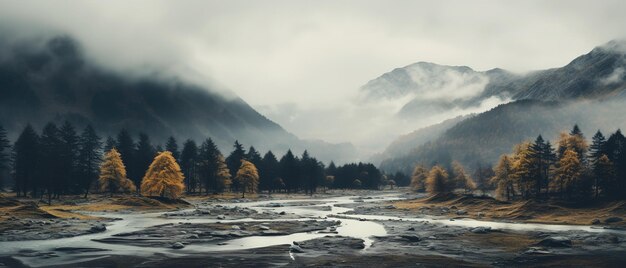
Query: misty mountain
(53, 81)
(431, 88)
(588, 91)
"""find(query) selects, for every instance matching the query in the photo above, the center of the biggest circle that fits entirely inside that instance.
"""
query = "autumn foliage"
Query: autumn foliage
(437, 180)
(247, 177)
(113, 174)
(163, 178)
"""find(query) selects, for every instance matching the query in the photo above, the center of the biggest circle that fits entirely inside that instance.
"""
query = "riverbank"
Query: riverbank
(609, 214)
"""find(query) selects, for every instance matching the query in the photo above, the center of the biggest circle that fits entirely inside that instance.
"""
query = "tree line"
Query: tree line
(61, 161)
(575, 170)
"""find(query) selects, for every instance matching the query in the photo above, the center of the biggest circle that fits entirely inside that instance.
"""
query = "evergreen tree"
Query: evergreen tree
(143, 155)
(597, 147)
(616, 149)
(525, 169)
(51, 163)
(163, 178)
(26, 163)
(504, 179)
(4, 155)
(69, 158)
(482, 176)
(538, 163)
(233, 161)
(89, 158)
(208, 165)
(113, 174)
(268, 172)
(172, 146)
(604, 175)
(290, 171)
(331, 169)
(126, 148)
(188, 163)
(109, 144)
(418, 179)
(437, 181)
(248, 178)
(253, 156)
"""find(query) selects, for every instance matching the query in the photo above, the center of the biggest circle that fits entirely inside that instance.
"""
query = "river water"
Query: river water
(357, 226)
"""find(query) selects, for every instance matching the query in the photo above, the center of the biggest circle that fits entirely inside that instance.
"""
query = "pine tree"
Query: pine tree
(248, 178)
(597, 147)
(223, 174)
(504, 179)
(233, 161)
(525, 169)
(126, 148)
(331, 169)
(253, 156)
(604, 175)
(172, 146)
(109, 144)
(208, 165)
(437, 180)
(69, 157)
(418, 179)
(188, 163)
(89, 158)
(268, 172)
(290, 171)
(26, 163)
(4, 155)
(113, 174)
(143, 155)
(616, 149)
(163, 178)
(51, 163)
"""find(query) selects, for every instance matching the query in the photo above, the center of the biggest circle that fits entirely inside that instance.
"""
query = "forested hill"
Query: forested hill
(54, 81)
(589, 92)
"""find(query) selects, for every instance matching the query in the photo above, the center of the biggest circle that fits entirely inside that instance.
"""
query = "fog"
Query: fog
(301, 63)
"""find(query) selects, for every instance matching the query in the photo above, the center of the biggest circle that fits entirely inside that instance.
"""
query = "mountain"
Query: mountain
(54, 81)
(427, 88)
(588, 91)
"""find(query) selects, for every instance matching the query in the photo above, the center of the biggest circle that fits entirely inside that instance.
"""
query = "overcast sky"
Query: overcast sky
(310, 57)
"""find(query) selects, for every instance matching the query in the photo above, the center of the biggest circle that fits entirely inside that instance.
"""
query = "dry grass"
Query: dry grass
(526, 211)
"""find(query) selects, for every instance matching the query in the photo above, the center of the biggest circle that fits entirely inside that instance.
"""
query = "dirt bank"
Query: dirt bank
(611, 214)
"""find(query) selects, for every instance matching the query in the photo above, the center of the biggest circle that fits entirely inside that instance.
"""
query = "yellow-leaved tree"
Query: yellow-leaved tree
(113, 174)
(437, 180)
(163, 178)
(569, 174)
(461, 179)
(418, 178)
(504, 178)
(247, 177)
(223, 174)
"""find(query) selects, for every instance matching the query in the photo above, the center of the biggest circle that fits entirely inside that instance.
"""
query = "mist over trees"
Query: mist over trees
(61, 161)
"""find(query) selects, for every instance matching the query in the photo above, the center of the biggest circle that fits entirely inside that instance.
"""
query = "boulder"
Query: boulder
(263, 227)
(412, 238)
(461, 212)
(295, 249)
(221, 217)
(556, 242)
(178, 245)
(390, 207)
(282, 213)
(98, 228)
(595, 221)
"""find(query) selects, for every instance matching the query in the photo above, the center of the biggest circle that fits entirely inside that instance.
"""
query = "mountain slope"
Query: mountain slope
(588, 91)
(54, 81)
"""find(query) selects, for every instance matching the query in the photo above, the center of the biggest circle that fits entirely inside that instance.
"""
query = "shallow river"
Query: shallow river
(351, 227)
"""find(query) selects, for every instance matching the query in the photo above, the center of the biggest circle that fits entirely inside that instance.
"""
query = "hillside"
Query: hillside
(588, 91)
(54, 81)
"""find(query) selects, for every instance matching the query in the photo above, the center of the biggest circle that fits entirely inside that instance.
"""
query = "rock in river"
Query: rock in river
(178, 245)
(295, 249)
(556, 242)
(97, 228)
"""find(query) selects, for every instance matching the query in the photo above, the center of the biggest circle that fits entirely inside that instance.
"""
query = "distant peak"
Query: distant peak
(617, 45)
